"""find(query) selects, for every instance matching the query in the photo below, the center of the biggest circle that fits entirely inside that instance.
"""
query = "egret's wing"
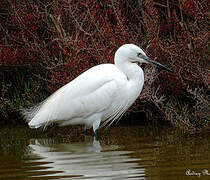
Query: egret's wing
(91, 92)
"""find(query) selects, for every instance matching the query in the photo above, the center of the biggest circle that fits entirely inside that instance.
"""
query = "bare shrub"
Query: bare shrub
(52, 42)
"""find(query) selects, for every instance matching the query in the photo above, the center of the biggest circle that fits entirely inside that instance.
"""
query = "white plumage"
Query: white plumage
(101, 94)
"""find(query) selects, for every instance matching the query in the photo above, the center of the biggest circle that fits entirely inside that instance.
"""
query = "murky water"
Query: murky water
(142, 152)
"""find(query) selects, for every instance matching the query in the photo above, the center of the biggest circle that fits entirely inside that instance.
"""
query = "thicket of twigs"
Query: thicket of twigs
(45, 44)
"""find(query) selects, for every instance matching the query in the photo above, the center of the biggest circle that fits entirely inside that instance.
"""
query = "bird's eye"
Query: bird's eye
(140, 55)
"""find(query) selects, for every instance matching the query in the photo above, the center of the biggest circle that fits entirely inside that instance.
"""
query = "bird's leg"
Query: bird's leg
(96, 125)
(96, 134)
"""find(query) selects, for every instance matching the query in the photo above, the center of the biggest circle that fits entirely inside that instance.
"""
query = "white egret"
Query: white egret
(101, 94)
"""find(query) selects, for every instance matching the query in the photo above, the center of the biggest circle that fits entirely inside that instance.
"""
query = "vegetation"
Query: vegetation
(45, 44)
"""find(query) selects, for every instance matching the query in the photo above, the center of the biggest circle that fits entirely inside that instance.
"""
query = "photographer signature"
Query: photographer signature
(203, 172)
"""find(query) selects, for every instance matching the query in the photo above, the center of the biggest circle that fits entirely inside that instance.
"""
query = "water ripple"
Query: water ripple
(83, 160)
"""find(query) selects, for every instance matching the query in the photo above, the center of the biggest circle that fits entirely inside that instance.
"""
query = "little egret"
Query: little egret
(101, 94)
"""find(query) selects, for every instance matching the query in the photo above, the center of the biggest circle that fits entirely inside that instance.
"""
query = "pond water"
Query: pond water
(133, 152)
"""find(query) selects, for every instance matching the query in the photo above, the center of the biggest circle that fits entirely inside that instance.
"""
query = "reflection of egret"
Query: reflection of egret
(101, 94)
(84, 160)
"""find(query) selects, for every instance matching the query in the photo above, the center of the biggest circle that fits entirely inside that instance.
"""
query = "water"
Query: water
(134, 152)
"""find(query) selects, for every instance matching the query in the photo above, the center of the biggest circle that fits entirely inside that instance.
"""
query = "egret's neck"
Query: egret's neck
(135, 76)
(132, 71)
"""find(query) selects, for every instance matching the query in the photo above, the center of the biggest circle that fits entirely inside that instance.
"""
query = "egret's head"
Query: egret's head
(134, 54)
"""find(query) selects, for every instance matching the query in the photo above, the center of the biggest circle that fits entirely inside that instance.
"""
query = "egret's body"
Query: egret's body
(101, 94)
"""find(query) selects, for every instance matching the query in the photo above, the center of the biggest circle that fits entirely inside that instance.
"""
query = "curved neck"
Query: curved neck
(135, 76)
(131, 70)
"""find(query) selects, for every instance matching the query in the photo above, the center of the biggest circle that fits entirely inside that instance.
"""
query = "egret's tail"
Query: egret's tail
(43, 114)
(29, 114)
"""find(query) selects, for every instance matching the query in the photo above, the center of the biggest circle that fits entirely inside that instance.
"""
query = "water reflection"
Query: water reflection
(141, 152)
(81, 160)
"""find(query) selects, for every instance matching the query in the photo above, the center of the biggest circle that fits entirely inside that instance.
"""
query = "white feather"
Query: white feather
(101, 94)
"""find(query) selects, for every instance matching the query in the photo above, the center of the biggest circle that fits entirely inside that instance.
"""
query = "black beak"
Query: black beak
(149, 60)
